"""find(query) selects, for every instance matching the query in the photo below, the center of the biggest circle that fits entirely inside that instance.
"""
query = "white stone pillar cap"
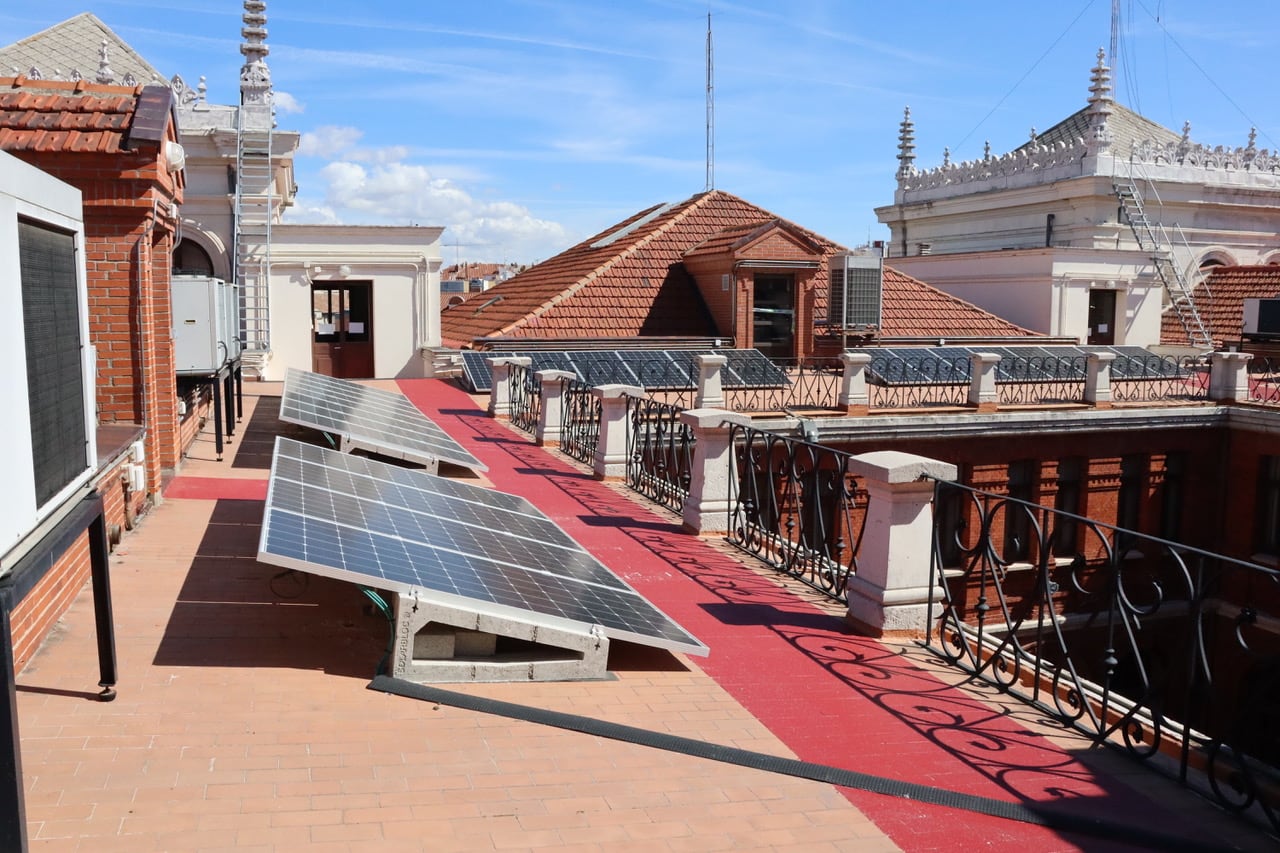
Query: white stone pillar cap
(894, 467)
(551, 375)
(855, 358)
(612, 392)
(709, 418)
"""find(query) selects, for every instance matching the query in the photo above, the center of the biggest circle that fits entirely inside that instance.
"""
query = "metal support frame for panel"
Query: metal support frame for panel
(438, 643)
(227, 387)
(88, 517)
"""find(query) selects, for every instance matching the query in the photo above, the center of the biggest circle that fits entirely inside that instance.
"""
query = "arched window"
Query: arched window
(190, 258)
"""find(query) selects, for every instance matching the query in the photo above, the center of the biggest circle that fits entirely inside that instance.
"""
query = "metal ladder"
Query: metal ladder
(1154, 239)
(253, 214)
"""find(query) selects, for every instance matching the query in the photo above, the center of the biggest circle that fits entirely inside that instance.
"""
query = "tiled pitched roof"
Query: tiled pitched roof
(50, 116)
(1126, 126)
(912, 309)
(1220, 300)
(75, 45)
(626, 281)
(630, 281)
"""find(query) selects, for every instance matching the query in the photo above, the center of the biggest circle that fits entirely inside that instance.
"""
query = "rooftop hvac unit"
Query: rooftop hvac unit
(856, 287)
(205, 324)
(1262, 318)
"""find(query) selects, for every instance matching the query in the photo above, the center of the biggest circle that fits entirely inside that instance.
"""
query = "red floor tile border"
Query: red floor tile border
(217, 488)
(833, 698)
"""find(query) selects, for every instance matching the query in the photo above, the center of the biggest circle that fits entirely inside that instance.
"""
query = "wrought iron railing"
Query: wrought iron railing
(1038, 380)
(580, 420)
(793, 505)
(919, 381)
(1161, 379)
(659, 452)
(1264, 380)
(812, 383)
(525, 397)
(1140, 643)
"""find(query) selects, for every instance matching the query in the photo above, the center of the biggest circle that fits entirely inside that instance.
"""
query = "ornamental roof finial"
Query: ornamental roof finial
(906, 144)
(255, 77)
(105, 74)
(1100, 102)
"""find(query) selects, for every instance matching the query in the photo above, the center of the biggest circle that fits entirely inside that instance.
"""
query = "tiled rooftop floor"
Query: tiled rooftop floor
(243, 720)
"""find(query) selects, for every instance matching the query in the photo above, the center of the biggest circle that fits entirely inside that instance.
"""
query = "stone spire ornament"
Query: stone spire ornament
(1100, 103)
(906, 145)
(255, 76)
(105, 74)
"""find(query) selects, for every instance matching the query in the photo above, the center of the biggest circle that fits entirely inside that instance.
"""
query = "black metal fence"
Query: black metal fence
(812, 383)
(1140, 643)
(794, 506)
(659, 452)
(1264, 380)
(525, 397)
(1160, 379)
(579, 420)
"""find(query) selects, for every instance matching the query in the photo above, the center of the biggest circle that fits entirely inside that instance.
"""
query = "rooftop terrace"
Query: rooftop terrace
(244, 719)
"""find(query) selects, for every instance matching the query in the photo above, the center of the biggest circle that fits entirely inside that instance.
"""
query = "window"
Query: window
(1171, 495)
(1067, 530)
(1133, 477)
(1267, 532)
(1017, 522)
(55, 375)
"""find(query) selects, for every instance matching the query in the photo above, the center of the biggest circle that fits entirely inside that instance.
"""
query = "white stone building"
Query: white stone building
(1093, 229)
(354, 301)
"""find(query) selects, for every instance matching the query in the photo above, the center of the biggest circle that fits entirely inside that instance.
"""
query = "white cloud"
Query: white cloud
(371, 187)
(286, 103)
(328, 141)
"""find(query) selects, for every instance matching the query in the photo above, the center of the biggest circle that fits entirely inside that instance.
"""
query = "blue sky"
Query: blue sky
(524, 126)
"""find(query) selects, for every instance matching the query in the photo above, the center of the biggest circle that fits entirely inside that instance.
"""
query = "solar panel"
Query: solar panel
(952, 365)
(447, 542)
(369, 418)
(653, 369)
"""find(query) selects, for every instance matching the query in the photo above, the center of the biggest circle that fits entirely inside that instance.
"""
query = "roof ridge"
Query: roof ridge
(682, 209)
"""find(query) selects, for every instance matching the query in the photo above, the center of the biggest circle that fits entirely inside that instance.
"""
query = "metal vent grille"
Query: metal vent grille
(856, 287)
(55, 378)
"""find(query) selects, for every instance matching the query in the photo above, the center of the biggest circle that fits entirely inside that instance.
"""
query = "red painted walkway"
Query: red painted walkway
(832, 697)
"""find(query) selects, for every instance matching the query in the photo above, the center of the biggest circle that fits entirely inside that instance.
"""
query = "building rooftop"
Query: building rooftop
(1220, 301)
(243, 719)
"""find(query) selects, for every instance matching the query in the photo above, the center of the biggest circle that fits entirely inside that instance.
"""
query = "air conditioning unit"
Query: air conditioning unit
(1262, 318)
(857, 285)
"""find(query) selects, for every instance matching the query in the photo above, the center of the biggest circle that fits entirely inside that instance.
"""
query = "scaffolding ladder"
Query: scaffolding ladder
(253, 211)
(1154, 239)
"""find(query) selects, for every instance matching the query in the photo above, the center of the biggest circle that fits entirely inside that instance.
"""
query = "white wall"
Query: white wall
(28, 192)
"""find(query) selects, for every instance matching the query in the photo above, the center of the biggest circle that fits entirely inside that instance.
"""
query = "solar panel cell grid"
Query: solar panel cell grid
(410, 532)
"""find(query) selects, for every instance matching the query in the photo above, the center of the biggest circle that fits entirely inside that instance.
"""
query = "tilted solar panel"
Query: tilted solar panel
(459, 545)
(655, 369)
(369, 418)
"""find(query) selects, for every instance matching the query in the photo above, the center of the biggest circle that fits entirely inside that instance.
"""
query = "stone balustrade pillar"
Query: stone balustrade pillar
(610, 461)
(551, 414)
(891, 589)
(1229, 376)
(854, 396)
(500, 384)
(983, 394)
(710, 388)
(1097, 383)
(713, 469)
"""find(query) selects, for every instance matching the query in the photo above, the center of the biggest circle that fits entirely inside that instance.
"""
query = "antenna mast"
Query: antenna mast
(711, 113)
(1115, 36)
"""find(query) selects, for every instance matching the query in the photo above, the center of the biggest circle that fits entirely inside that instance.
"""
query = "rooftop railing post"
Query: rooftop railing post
(500, 384)
(1097, 386)
(610, 462)
(854, 396)
(983, 395)
(713, 469)
(1229, 376)
(891, 590)
(710, 390)
(551, 413)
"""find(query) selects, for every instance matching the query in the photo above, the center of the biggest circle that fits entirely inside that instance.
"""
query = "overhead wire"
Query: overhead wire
(1027, 74)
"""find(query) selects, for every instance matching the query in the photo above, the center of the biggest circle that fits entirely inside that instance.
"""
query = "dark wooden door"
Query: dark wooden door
(1102, 317)
(773, 315)
(342, 329)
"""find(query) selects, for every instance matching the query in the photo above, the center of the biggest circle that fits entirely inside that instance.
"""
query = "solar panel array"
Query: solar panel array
(410, 532)
(952, 365)
(370, 418)
(654, 369)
